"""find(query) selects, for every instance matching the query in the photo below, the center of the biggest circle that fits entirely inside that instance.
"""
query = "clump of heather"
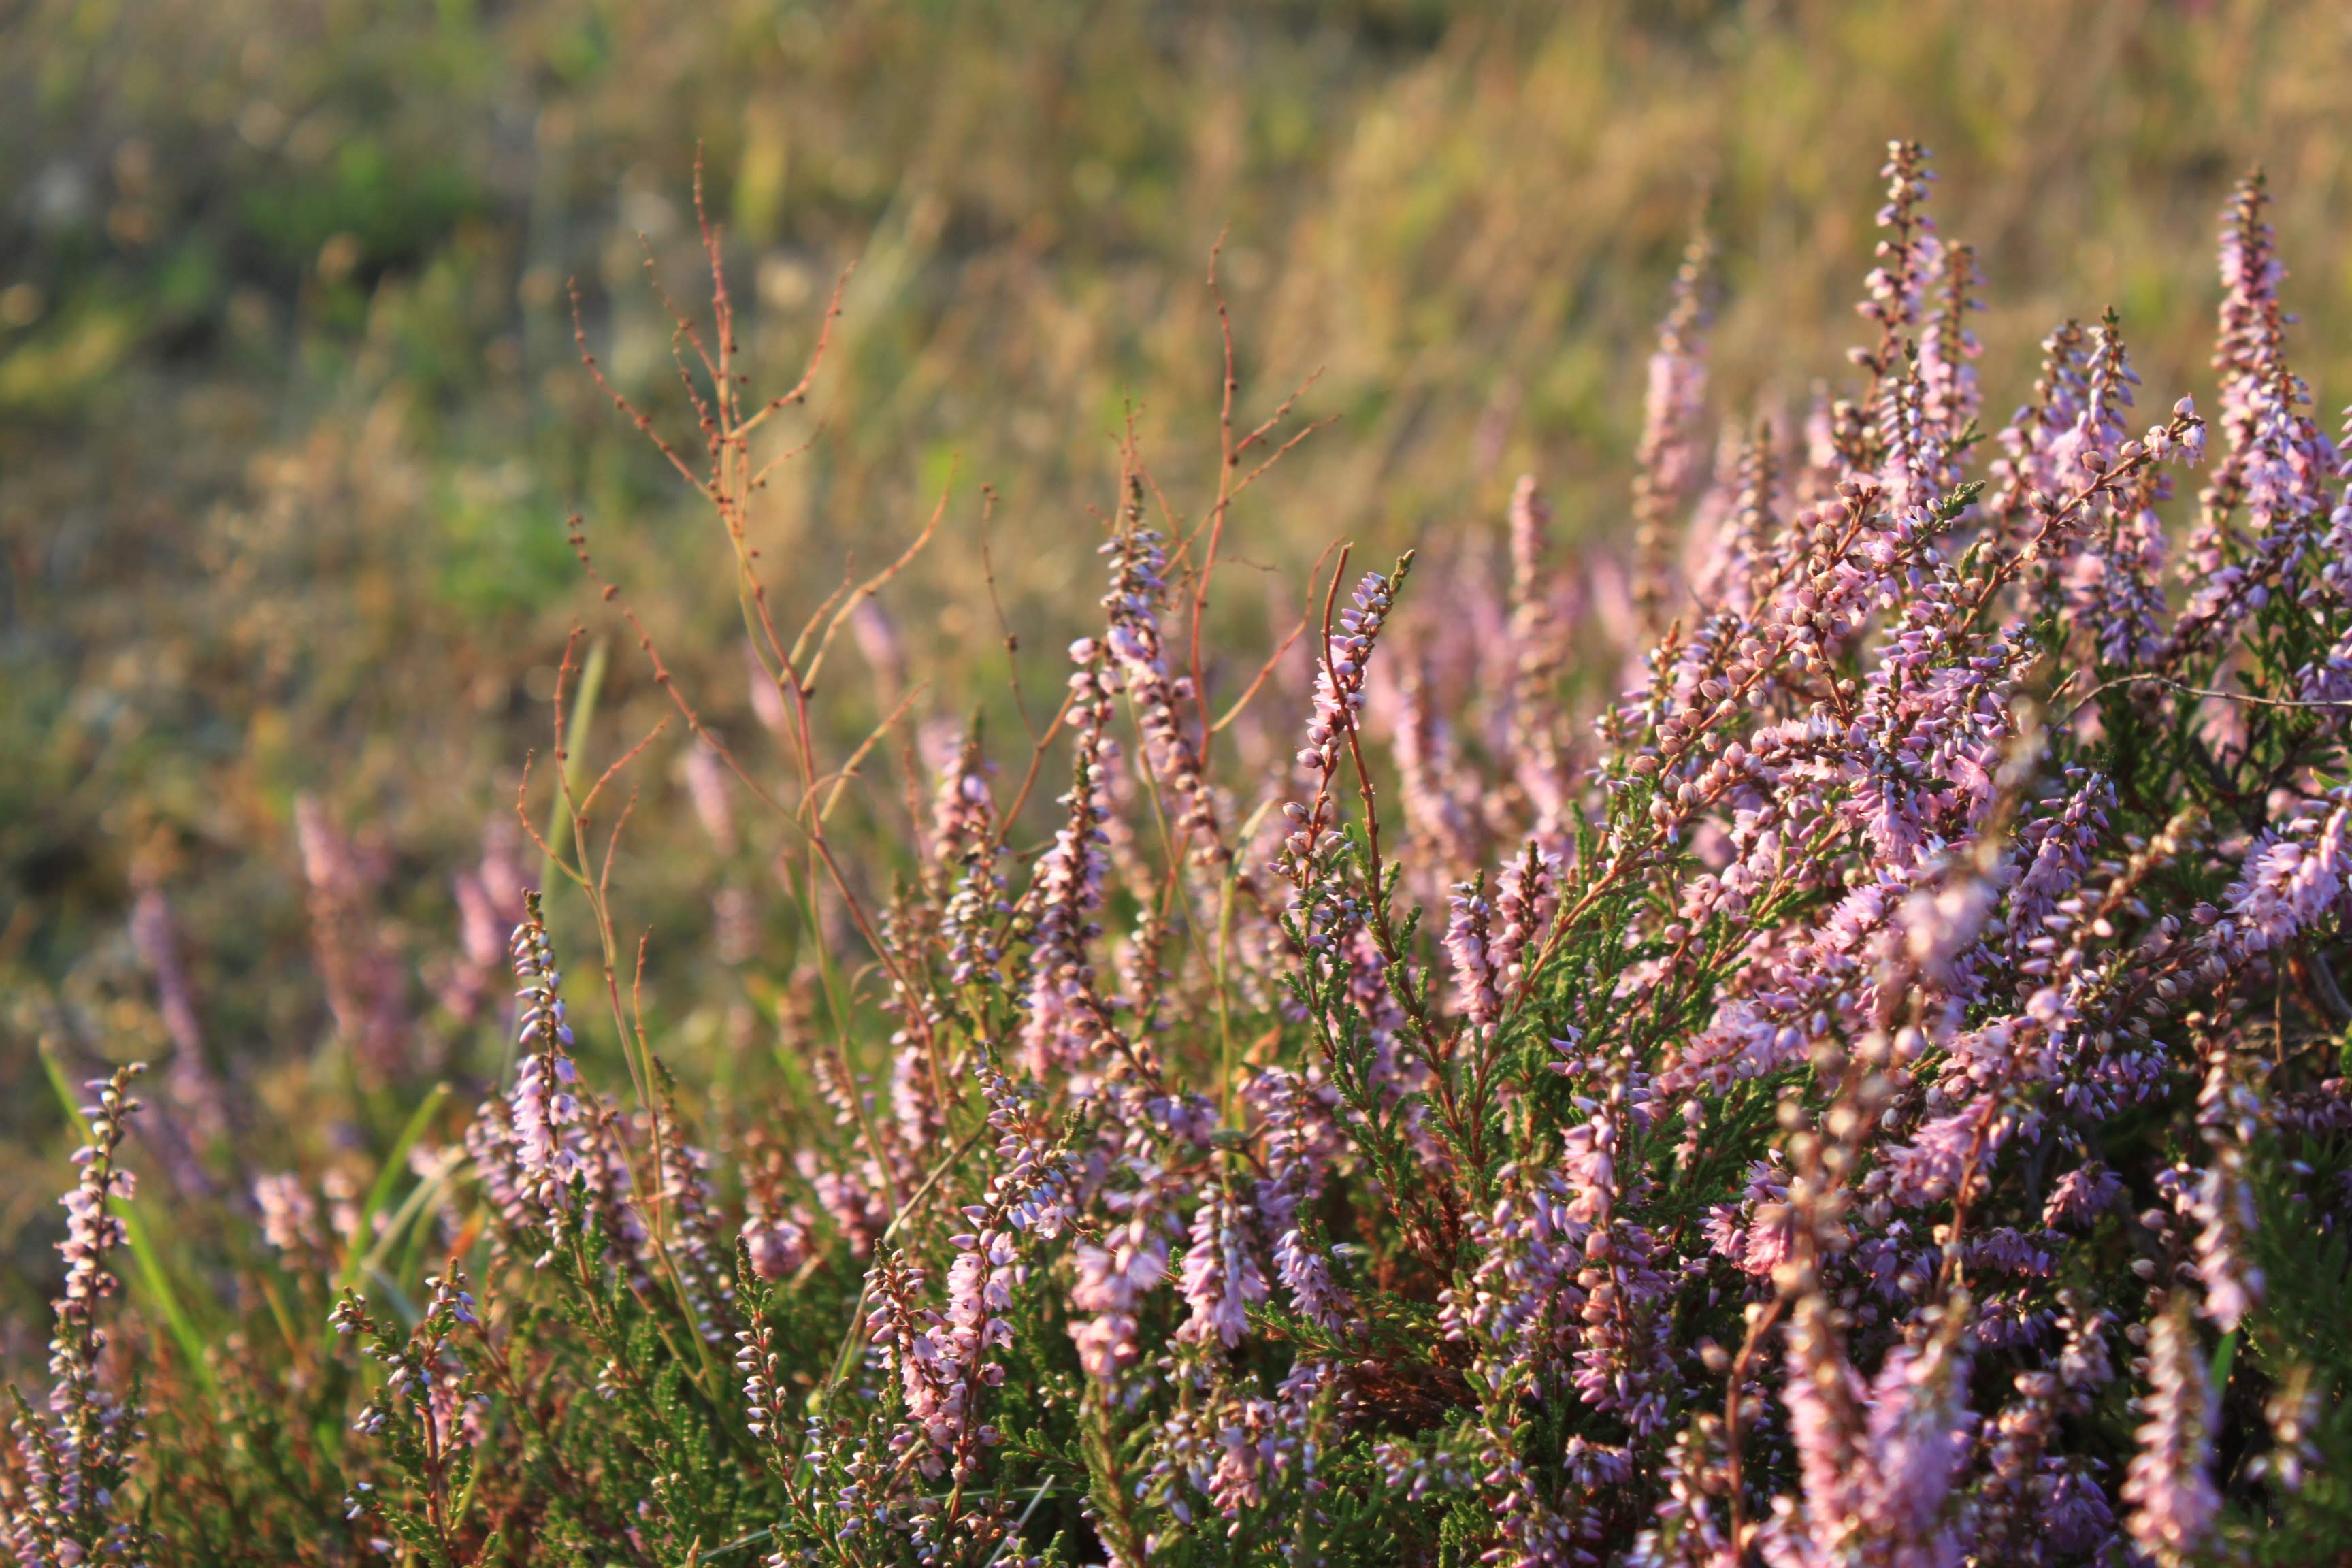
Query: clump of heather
(1829, 1052)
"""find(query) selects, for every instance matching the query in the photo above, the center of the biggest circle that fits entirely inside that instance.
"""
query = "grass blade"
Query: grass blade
(380, 1194)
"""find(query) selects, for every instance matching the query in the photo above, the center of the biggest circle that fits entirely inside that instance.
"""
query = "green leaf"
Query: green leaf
(355, 1262)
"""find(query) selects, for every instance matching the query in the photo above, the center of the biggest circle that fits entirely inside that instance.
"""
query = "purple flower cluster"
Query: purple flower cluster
(544, 1110)
(71, 1456)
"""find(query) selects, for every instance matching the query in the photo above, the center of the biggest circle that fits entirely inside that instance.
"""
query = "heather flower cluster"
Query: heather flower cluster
(1825, 1048)
(66, 1497)
(544, 1109)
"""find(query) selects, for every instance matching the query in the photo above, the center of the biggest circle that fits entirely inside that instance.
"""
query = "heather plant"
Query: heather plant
(289, 416)
(1821, 1049)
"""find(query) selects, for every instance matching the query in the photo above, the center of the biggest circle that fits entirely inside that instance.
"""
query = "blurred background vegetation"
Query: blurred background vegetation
(291, 416)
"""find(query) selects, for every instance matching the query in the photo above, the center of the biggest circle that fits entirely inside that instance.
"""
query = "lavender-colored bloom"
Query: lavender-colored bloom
(2081, 1196)
(365, 981)
(1067, 1023)
(947, 1359)
(1878, 1460)
(1442, 808)
(2218, 1200)
(426, 1384)
(761, 1365)
(907, 1331)
(543, 1109)
(2265, 509)
(1514, 1315)
(1164, 702)
(777, 1246)
(1221, 1277)
(196, 1090)
(2292, 1411)
(700, 1256)
(2287, 884)
(1691, 1531)
(964, 810)
(707, 785)
(1338, 708)
(1533, 637)
(289, 1216)
(2169, 1485)
(1527, 896)
(1469, 933)
(1672, 405)
(490, 905)
(879, 643)
(74, 1455)
(1949, 396)
(1301, 1141)
(1113, 1278)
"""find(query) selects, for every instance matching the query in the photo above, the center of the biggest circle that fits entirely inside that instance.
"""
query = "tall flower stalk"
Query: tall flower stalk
(69, 1499)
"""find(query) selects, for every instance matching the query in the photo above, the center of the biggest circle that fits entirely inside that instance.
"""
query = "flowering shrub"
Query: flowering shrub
(1870, 1093)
